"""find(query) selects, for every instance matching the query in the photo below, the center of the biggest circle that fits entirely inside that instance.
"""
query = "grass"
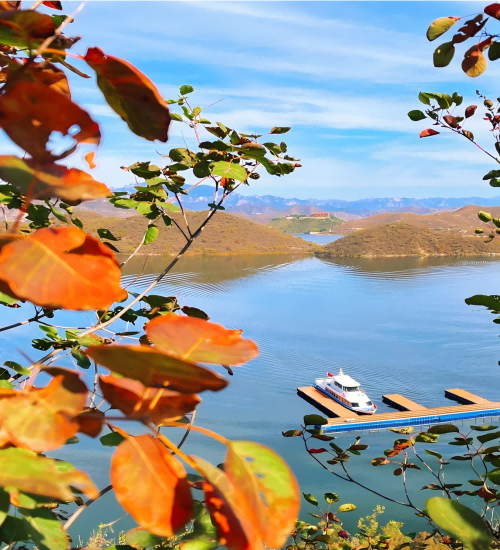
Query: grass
(306, 225)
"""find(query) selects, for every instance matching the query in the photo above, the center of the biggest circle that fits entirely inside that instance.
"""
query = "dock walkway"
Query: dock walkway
(466, 397)
(324, 403)
(401, 402)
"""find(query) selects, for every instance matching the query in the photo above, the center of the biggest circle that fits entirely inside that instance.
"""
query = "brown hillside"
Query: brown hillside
(463, 220)
(403, 239)
(224, 234)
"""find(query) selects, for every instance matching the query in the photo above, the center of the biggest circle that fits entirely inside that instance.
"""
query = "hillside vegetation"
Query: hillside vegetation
(306, 225)
(403, 239)
(463, 220)
(225, 234)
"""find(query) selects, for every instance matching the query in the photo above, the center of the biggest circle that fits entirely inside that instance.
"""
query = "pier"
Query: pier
(409, 413)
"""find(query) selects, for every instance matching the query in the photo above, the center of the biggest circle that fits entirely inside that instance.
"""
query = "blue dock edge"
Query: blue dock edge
(404, 422)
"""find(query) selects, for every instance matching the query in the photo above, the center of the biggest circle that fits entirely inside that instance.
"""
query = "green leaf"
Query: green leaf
(346, 508)
(81, 359)
(145, 170)
(457, 100)
(311, 499)
(4, 299)
(484, 216)
(112, 439)
(427, 438)
(202, 169)
(186, 89)
(424, 99)
(17, 367)
(443, 429)
(195, 312)
(331, 498)
(47, 532)
(491, 302)
(433, 453)
(253, 150)
(483, 428)
(151, 234)
(215, 146)
(176, 116)
(292, 433)
(15, 529)
(140, 538)
(443, 54)
(72, 440)
(416, 115)
(488, 437)
(77, 222)
(5, 384)
(204, 543)
(492, 174)
(476, 482)
(216, 206)
(169, 206)
(57, 213)
(440, 26)
(494, 51)
(314, 420)
(493, 476)
(4, 505)
(460, 522)
(106, 234)
(229, 170)
(280, 130)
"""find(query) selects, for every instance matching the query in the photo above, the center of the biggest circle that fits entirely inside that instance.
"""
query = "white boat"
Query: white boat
(346, 391)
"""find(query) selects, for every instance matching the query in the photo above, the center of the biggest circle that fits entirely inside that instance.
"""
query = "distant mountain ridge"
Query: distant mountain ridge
(200, 196)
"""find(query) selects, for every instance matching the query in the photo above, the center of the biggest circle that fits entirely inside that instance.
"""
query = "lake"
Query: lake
(396, 325)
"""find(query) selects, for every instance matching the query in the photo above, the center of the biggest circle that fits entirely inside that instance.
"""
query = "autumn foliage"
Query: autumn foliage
(158, 374)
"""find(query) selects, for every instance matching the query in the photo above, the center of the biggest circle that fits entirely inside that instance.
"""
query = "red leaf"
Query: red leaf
(471, 109)
(317, 451)
(428, 132)
(493, 10)
(53, 5)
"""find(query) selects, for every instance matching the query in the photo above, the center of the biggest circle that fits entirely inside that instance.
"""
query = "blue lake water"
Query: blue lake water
(396, 325)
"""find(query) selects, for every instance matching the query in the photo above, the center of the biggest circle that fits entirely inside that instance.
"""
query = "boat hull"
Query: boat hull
(331, 396)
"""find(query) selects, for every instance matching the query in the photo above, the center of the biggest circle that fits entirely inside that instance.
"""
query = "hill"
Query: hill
(403, 239)
(462, 221)
(306, 225)
(224, 235)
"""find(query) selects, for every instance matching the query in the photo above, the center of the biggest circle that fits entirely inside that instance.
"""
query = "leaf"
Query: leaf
(280, 130)
(196, 340)
(380, 461)
(426, 438)
(470, 112)
(443, 429)
(493, 10)
(155, 368)
(346, 508)
(268, 486)
(494, 476)
(428, 132)
(144, 170)
(491, 302)
(317, 451)
(28, 472)
(474, 63)
(253, 150)
(56, 5)
(440, 26)
(405, 430)
(175, 116)
(331, 498)
(229, 170)
(106, 234)
(443, 54)
(460, 522)
(140, 538)
(151, 234)
(51, 181)
(195, 312)
(186, 89)
(488, 437)
(151, 485)
(292, 433)
(155, 405)
(227, 508)
(483, 428)
(314, 420)
(311, 499)
(32, 111)
(416, 115)
(25, 29)
(112, 439)
(41, 419)
(17, 367)
(47, 532)
(68, 269)
(433, 453)
(131, 95)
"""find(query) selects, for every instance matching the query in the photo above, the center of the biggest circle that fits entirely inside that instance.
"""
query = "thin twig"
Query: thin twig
(135, 251)
(84, 506)
(35, 318)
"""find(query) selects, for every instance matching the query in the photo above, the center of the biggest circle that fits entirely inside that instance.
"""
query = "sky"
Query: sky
(343, 75)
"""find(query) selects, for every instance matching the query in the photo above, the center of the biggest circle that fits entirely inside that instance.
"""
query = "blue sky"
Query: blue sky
(342, 74)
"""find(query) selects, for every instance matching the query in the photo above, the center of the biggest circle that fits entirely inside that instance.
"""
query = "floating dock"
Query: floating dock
(412, 414)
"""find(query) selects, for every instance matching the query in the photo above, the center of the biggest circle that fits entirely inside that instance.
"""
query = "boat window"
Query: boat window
(354, 404)
(369, 403)
(338, 385)
(354, 388)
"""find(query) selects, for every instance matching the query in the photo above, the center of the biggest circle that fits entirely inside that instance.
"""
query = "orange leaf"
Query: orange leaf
(493, 10)
(90, 422)
(7, 5)
(155, 405)
(31, 111)
(51, 4)
(43, 72)
(131, 94)
(196, 340)
(89, 159)
(236, 529)
(151, 485)
(62, 268)
(269, 488)
(51, 181)
(474, 63)
(428, 132)
(155, 368)
(43, 419)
